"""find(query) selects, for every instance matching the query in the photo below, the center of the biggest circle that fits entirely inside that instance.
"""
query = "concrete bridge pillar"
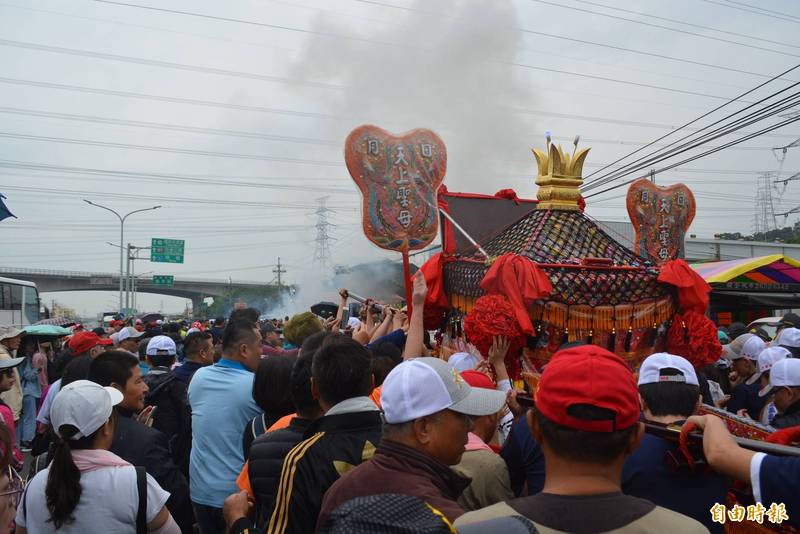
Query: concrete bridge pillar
(197, 302)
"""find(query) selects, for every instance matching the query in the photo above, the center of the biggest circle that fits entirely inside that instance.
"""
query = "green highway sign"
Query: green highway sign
(163, 280)
(166, 250)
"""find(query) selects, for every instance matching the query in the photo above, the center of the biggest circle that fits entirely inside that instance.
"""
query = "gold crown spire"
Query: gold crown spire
(560, 176)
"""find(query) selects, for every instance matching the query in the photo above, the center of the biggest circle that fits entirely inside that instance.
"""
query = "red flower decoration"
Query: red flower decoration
(493, 315)
(694, 336)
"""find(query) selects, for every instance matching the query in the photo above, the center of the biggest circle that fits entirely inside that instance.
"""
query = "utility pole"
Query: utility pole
(322, 252)
(278, 271)
(130, 278)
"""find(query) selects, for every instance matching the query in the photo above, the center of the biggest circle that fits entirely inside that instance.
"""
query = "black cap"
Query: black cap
(760, 332)
(736, 329)
(268, 327)
(100, 331)
(791, 319)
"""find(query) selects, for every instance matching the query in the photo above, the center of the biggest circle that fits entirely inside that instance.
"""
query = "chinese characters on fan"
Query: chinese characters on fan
(400, 171)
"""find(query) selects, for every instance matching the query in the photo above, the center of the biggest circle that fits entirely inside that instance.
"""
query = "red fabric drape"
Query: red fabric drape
(508, 194)
(692, 289)
(436, 302)
(493, 315)
(521, 282)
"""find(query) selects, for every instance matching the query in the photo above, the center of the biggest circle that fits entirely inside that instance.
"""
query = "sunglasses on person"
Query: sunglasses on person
(8, 371)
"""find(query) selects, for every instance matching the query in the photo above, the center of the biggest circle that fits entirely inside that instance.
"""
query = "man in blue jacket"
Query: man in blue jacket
(775, 479)
(670, 393)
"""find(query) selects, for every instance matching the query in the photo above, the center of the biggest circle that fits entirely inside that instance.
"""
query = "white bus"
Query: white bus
(19, 302)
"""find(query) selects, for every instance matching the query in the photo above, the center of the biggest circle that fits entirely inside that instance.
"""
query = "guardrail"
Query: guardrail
(21, 272)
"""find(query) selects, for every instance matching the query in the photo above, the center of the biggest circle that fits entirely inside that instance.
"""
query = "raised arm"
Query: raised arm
(383, 329)
(343, 296)
(415, 342)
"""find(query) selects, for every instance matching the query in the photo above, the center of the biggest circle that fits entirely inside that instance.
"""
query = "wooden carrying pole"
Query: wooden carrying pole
(407, 280)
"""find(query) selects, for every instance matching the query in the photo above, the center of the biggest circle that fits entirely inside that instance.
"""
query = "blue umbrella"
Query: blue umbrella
(46, 330)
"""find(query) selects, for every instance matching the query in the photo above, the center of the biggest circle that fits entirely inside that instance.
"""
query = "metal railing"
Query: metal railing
(22, 271)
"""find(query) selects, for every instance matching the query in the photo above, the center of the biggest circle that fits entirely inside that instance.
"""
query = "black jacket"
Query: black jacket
(334, 444)
(266, 458)
(173, 415)
(148, 448)
(789, 418)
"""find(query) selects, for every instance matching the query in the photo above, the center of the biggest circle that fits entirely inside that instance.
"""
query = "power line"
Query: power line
(659, 26)
(614, 80)
(169, 99)
(223, 105)
(586, 42)
(258, 181)
(750, 10)
(180, 200)
(145, 27)
(279, 187)
(165, 64)
(675, 21)
(238, 21)
(151, 148)
(703, 154)
(736, 125)
(333, 35)
(164, 126)
(738, 97)
(210, 70)
(765, 9)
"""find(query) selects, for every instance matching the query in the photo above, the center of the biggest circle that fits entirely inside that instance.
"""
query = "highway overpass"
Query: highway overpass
(195, 289)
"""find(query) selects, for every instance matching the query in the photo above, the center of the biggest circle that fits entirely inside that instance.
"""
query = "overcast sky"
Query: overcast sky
(237, 128)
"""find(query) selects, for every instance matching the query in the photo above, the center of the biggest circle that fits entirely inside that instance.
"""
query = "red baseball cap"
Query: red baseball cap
(588, 375)
(477, 379)
(117, 322)
(81, 342)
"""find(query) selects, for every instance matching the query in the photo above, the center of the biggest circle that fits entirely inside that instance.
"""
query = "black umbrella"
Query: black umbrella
(151, 317)
(325, 309)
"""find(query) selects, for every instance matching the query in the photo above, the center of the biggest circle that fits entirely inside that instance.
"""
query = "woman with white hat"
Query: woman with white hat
(87, 488)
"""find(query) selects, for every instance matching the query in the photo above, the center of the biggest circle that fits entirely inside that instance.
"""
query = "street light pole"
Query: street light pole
(121, 239)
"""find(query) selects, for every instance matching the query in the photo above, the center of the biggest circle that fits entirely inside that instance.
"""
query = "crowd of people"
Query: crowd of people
(311, 425)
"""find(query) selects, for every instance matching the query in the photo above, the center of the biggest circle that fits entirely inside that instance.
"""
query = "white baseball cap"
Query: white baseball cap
(767, 359)
(464, 361)
(784, 373)
(424, 386)
(161, 344)
(790, 339)
(650, 371)
(353, 322)
(751, 349)
(128, 332)
(85, 405)
(10, 363)
(732, 350)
